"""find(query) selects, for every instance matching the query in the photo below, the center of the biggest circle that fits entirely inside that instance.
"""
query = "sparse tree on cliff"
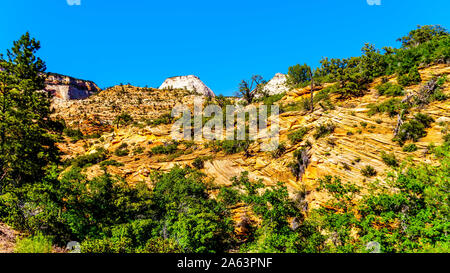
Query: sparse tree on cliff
(248, 89)
(298, 75)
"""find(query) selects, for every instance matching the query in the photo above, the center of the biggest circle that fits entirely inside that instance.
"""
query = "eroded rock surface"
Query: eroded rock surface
(357, 141)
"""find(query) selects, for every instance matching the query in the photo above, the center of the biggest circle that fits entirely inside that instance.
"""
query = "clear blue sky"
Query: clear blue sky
(221, 41)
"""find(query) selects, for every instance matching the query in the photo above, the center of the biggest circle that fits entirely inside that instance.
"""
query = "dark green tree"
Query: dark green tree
(298, 74)
(27, 144)
(421, 35)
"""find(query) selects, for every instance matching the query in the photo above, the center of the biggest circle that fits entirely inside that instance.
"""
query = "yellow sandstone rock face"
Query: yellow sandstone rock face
(356, 142)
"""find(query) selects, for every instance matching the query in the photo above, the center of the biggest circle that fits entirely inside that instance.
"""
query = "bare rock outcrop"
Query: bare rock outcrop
(276, 85)
(190, 83)
(67, 88)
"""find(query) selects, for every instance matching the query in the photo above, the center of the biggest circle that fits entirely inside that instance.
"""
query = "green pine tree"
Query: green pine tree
(27, 144)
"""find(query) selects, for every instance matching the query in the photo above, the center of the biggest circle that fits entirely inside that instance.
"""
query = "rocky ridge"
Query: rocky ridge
(97, 113)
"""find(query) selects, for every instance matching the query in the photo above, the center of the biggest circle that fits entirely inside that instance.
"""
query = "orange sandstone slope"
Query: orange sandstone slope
(356, 142)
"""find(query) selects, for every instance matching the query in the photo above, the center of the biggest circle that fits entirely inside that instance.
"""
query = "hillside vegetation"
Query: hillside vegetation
(363, 164)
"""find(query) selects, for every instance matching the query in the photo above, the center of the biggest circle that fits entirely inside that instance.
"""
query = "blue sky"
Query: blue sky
(222, 42)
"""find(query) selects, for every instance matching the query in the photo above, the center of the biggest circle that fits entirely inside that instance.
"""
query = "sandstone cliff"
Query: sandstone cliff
(66, 88)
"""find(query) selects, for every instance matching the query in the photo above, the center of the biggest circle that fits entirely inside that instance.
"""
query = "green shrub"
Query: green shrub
(438, 95)
(279, 151)
(34, 244)
(90, 207)
(322, 95)
(291, 106)
(165, 149)
(323, 99)
(425, 119)
(111, 163)
(123, 119)
(122, 150)
(138, 150)
(390, 89)
(161, 245)
(414, 129)
(410, 148)
(228, 196)
(74, 134)
(164, 119)
(270, 100)
(412, 77)
(368, 171)
(297, 136)
(11, 212)
(123, 146)
(350, 89)
(447, 138)
(274, 233)
(106, 245)
(324, 129)
(198, 163)
(90, 159)
(93, 136)
(334, 186)
(305, 104)
(392, 107)
(389, 159)
(188, 143)
(230, 146)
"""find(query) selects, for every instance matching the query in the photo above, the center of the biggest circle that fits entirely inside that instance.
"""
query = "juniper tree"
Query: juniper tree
(298, 74)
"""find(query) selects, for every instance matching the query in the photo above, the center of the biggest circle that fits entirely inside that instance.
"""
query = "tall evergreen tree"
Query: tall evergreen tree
(26, 143)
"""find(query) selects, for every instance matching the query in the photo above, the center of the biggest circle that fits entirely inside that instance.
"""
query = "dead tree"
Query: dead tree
(420, 98)
(298, 167)
(399, 123)
(312, 89)
(426, 91)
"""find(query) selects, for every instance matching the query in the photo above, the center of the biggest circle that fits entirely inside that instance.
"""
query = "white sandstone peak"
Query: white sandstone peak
(276, 85)
(190, 82)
